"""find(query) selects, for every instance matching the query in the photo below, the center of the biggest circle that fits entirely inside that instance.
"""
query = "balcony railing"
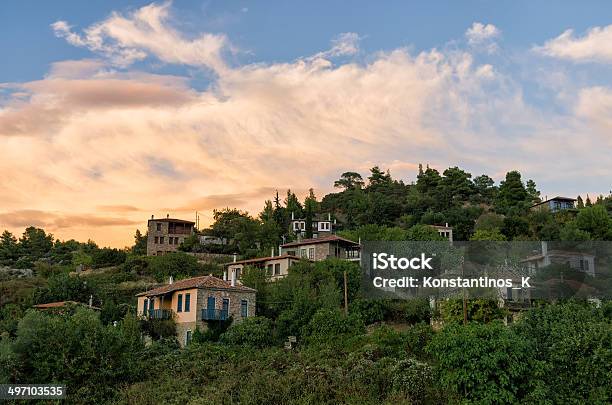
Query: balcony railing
(160, 314)
(212, 314)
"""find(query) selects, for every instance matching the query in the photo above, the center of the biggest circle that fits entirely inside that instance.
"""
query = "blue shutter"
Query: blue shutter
(187, 302)
(179, 305)
(145, 307)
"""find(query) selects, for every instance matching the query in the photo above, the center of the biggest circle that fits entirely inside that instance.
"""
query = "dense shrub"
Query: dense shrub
(327, 325)
(252, 332)
(412, 380)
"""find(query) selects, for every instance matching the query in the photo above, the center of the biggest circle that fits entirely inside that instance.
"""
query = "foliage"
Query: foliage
(177, 265)
(254, 332)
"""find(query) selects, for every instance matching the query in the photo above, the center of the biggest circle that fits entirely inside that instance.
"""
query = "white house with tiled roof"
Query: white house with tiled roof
(195, 302)
(322, 248)
(275, 266)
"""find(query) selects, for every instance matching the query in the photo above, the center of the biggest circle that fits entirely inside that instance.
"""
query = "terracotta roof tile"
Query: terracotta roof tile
(196, 282)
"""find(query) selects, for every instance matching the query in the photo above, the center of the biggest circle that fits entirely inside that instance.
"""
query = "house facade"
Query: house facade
(195, 302)
(322, 225)
(445, 231)
(580, 261)
(321, 248)
(166, 234)
(276, 267)
(555, 204)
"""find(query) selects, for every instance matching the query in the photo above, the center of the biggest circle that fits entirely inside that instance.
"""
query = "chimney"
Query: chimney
(272, 255)
(292, 216)
(225, 275)
(446, 225)
(544, 248)
(329, 216)
(235, 257)
(167, 216)
(90, 301)
(170, 280)
(280, 250)
(233, 278)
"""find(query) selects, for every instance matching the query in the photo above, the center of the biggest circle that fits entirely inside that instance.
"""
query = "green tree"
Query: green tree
(482, 234)
(349, 181)
(512, 193)
(596, 221)
(9, 250)
(177, 265)
(140, 243)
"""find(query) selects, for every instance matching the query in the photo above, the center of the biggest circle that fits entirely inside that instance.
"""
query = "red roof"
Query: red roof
(196, 282)
(325, 239)
(264, 259)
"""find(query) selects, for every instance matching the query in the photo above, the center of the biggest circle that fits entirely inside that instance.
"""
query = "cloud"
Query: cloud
(480, 33)
(56, 221)
(146, 32)
(594, 46)
(86, 136)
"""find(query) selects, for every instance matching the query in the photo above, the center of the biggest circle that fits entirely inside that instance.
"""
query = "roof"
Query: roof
(196, 282)
(325, 239)
(263, 259)
(180, 221)
(61, 304)
(558, 198)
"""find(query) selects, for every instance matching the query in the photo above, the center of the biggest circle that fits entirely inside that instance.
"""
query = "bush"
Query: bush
(253, 332)
(370, 311)
(483, 363)
(412, 380)
(177, 265)
(106, 257)
(159, 328)
(328, 325)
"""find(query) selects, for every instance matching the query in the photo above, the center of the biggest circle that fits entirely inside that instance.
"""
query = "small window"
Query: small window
(303, 253)
(302, 225)
(296, 226)
(187, 302)
(311, 253)
(244, 308)
(156, 239)
(179, 305)
(159, 227)
(277, 270)
(237, 274)
(161, 240)
(269, 270)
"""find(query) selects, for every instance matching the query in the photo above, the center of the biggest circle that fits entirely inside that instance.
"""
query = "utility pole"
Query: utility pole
(345, 295)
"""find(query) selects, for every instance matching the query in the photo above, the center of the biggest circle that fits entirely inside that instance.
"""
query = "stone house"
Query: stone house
(196, 302)
(275, 266)
(166, 234)
(321, 248)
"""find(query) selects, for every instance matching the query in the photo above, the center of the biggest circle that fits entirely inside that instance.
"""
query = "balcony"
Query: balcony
(160, 313)
(212, 314)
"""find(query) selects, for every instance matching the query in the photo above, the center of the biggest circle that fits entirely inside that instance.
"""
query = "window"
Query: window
(179, 304)
(145, 307)
(161, 240)
(311, 253)
(158, 226)
(225, 309)
(156, 240)
(244, 308)
(151, 304)
(303, 253)
(187, 337)
(302, 225)
(277, 269)
(324, 226)
(237, 271)
(296, 226)
(269, 270)
(187, 302)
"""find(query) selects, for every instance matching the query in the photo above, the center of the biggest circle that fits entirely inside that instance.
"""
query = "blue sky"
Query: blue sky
(113, 110)
(285, 30)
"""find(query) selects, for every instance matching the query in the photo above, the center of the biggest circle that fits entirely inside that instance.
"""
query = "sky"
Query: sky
(113, 111)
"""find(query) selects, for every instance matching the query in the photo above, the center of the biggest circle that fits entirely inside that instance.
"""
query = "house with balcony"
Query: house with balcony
(166, 234)
(321, 248)
(195, 302)
(555, 204)
(276, 267)
(579, 261)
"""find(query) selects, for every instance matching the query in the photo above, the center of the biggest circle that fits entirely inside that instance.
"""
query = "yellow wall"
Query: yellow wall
(185, 316)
